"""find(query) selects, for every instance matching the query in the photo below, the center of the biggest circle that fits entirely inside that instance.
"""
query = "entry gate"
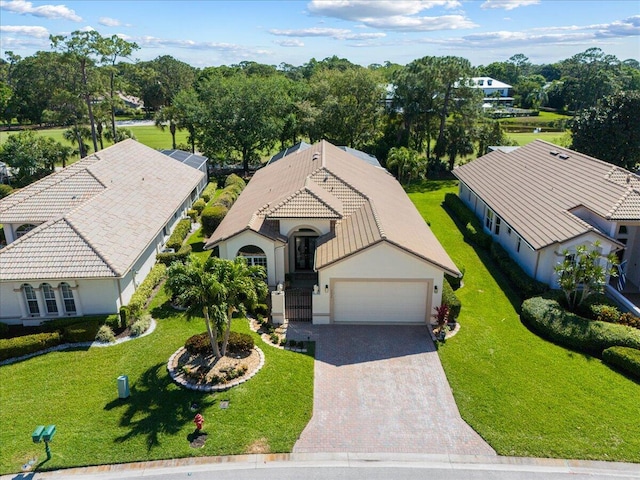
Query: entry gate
(297, 304)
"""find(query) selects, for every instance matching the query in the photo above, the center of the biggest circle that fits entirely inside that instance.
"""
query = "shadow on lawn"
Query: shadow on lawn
(154, 408)
(429, 185)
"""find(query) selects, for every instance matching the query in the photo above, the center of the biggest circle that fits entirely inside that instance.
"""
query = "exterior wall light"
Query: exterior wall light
(435, 289)
(326, 289)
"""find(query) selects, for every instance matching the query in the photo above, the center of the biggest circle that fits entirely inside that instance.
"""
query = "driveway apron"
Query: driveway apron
(383, 389)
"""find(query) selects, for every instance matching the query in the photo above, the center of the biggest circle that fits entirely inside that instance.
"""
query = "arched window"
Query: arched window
(49, 299)
(254, 256)
(31, 299)
(24, 229)
(67, 298)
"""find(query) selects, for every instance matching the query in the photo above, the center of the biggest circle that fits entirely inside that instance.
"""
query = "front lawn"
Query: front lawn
(524, 395)
(77, 391)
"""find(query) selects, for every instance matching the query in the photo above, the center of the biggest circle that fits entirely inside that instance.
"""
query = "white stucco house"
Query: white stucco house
(496, 93)
(344, 225)
(539, 200)
(81, 240)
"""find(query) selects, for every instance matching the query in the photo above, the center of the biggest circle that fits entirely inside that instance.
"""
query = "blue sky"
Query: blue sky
(205, 33)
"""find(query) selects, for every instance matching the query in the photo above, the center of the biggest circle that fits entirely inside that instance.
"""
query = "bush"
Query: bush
(624, 358)
(234, 179)
(234, 190)
(472, 230)
(523, 283)
(455, 282)
(193, 214)
(199, 344)
(85, 331)
(105, 335)
(605, 313)
(124, 316)
(629, 320)
(179, 234)
(211, 218)
(549, 319)
(274, 338)
(181, 255)
(261, 309)
(199, 205)
(225, 199)
(142, 295)
(209, 191)
(5, 190)
(18, 346)
(450, 299)
(240, 342)
(115, 322)
(141, 325)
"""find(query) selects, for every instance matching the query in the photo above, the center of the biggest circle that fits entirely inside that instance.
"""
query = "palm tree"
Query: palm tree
(407, 161)
(216, 289)
(168, 115)
(77, 135)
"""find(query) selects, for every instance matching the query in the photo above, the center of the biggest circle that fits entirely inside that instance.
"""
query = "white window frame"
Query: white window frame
(50, 303)
(67, 299)
(255, 260)
(31, 300)
(488, 219)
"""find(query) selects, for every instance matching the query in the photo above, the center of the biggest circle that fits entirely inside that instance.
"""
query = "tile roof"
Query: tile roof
(139, 191)
(536, 188)
(372, 204)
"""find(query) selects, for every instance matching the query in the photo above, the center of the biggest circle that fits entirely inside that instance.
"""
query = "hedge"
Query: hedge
(211, 218)
(143, 293)
(449, 298)
(549, 319)
(5, 190)
(234, 179)
(199, 205)
(225, 199)
(472, 230)
(179, 234)
(181, 255)
(209, 191)
(239, 343)
(84, 331)
(523, 283)
(18, 346)
(624, 358)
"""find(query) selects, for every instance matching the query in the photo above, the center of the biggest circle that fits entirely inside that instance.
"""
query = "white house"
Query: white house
(333, 220)
(496, 93)
(541, 199)
(81, 240)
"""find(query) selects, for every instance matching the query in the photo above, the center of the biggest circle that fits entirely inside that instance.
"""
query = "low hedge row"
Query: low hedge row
(179, 234)
(211, 218)
(200, 344)
(140, 297)
(449, 298)
(18, 346)
(85, 331)
(524, 284)
(234, 179)
(624, 358)
(472, 230)
(549, 319)
(209, 191)
(181, 255)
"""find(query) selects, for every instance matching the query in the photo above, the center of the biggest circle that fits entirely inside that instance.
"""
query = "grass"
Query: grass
(77, 391)
(557, 138)
(524, 395)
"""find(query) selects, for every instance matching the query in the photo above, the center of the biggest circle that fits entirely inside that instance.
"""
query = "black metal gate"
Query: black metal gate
(297, 304)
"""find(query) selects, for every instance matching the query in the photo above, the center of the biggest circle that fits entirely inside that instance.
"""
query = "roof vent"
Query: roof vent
(553, 152)
(563, 156)
(316, 156)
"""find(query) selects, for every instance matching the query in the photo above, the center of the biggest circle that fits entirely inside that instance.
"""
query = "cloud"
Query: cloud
(109, 22)
(238, 50)
(422, 24)
(27, 31)
(53, 12)
(508, 4)
(335, 33)
(290, 42)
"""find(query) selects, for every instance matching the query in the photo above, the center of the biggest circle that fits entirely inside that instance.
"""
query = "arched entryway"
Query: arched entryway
(254, 256)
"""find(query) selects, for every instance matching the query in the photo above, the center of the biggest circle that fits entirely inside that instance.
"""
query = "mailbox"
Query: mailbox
(48, 433)
(36, 436)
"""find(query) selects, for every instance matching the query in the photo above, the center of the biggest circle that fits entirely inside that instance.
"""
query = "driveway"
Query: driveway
(383, 389)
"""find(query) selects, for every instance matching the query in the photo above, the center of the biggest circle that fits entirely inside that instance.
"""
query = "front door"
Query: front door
(305, 250)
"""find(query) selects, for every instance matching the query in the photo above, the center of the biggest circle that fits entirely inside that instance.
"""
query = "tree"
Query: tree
(77, 135)
(407, 162)
(490, 133)
(216, 289)
(583, 273)
(458, 140)
(168, 116)
(610, 131)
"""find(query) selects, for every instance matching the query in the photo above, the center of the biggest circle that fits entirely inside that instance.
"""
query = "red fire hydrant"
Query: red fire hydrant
(199, 421)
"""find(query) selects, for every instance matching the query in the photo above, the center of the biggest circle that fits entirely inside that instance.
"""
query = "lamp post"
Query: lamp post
(42, 433)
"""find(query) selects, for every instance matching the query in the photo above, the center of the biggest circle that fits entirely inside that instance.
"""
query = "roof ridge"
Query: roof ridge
(620, 201)
(90, 245)
(376, 217)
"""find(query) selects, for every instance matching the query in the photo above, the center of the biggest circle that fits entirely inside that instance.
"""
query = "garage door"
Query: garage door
(380, 301)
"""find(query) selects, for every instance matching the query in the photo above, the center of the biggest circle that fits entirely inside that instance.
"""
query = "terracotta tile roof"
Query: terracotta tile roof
(536, 187)
(140, 189)
(373, 205)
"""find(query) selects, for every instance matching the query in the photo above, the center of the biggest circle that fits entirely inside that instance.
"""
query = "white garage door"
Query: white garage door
(380, 301)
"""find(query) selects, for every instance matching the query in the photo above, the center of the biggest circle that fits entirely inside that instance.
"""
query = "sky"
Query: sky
(212, 33)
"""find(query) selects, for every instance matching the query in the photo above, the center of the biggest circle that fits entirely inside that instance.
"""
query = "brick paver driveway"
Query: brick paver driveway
(383, 389)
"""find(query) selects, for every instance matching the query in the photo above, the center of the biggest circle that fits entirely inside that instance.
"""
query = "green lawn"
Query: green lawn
(77, 391)
(557, 138)
(524, 395)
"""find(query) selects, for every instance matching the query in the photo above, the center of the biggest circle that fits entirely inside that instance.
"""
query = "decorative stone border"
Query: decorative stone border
(174, 373)
(266, 338)
(65, 346)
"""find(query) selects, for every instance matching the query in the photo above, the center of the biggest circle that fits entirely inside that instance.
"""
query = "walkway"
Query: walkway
(383, 389)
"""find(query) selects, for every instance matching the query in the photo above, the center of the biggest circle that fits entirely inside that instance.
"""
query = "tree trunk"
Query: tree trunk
(213, 334)
(172, 129)
(113, 108)
(227, 332)
(87, 99)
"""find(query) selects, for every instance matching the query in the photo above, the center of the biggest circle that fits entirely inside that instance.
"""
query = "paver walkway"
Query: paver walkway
(383, 389)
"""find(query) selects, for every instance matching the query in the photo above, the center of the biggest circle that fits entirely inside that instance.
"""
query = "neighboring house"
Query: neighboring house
(541, 199)
(496, 93)
(346, 226)
(4, 173)
(81, 240)
(300, 146)
(198, 162)
(130, 101)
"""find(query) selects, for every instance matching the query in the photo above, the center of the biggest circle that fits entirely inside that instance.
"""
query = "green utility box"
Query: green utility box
(48, 433)
(36, 436)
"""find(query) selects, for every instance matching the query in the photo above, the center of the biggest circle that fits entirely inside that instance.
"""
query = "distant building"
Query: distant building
(496, 93)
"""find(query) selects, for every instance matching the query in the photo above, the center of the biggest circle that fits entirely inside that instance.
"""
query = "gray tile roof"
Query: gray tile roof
(125, 195)
(372, 205)
(535, 188)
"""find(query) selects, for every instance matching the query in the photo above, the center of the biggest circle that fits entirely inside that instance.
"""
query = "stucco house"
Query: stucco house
(345, 226)
(81, 240)
(496, 93)
(539, 200)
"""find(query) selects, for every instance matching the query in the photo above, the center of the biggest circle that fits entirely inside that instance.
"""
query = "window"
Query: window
(488, 221)
(497, 230)
(518, 245)
(622, 230)
(67, 298)
(254, 256)
(49, 299)
(24, 229)
(31, 299)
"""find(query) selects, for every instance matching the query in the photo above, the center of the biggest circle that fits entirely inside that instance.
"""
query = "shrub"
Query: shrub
(550, 320)
(283, 341)
(624, 358)
(629, 320)
(5, 190)
(105, 335)
(124, 315)
(225, 199)
(179, 234)
(85, 331)
(274, 338)
(605, 313)
(450, 299)
(141, 325)
(115, 322)
(261, 309)
(181, 255)
(240, 342)
(18, 346)
(142, 295)
(209, 191)
(234, 190)
(199, 205)
(234, 179)
(211, 218)
(193, 214)
(523, 283)
(472, 230)
(199, 344)
(455, 282)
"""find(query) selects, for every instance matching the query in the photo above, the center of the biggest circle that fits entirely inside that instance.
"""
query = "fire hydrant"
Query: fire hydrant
(199, 421)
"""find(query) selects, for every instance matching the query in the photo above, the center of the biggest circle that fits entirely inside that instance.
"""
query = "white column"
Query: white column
(41, 304)
(277, 306)
(23, 302)
(59, 301)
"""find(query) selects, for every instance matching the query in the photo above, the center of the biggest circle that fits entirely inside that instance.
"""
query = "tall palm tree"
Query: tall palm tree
(168, 114)
(216, 289)
(78, 135)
